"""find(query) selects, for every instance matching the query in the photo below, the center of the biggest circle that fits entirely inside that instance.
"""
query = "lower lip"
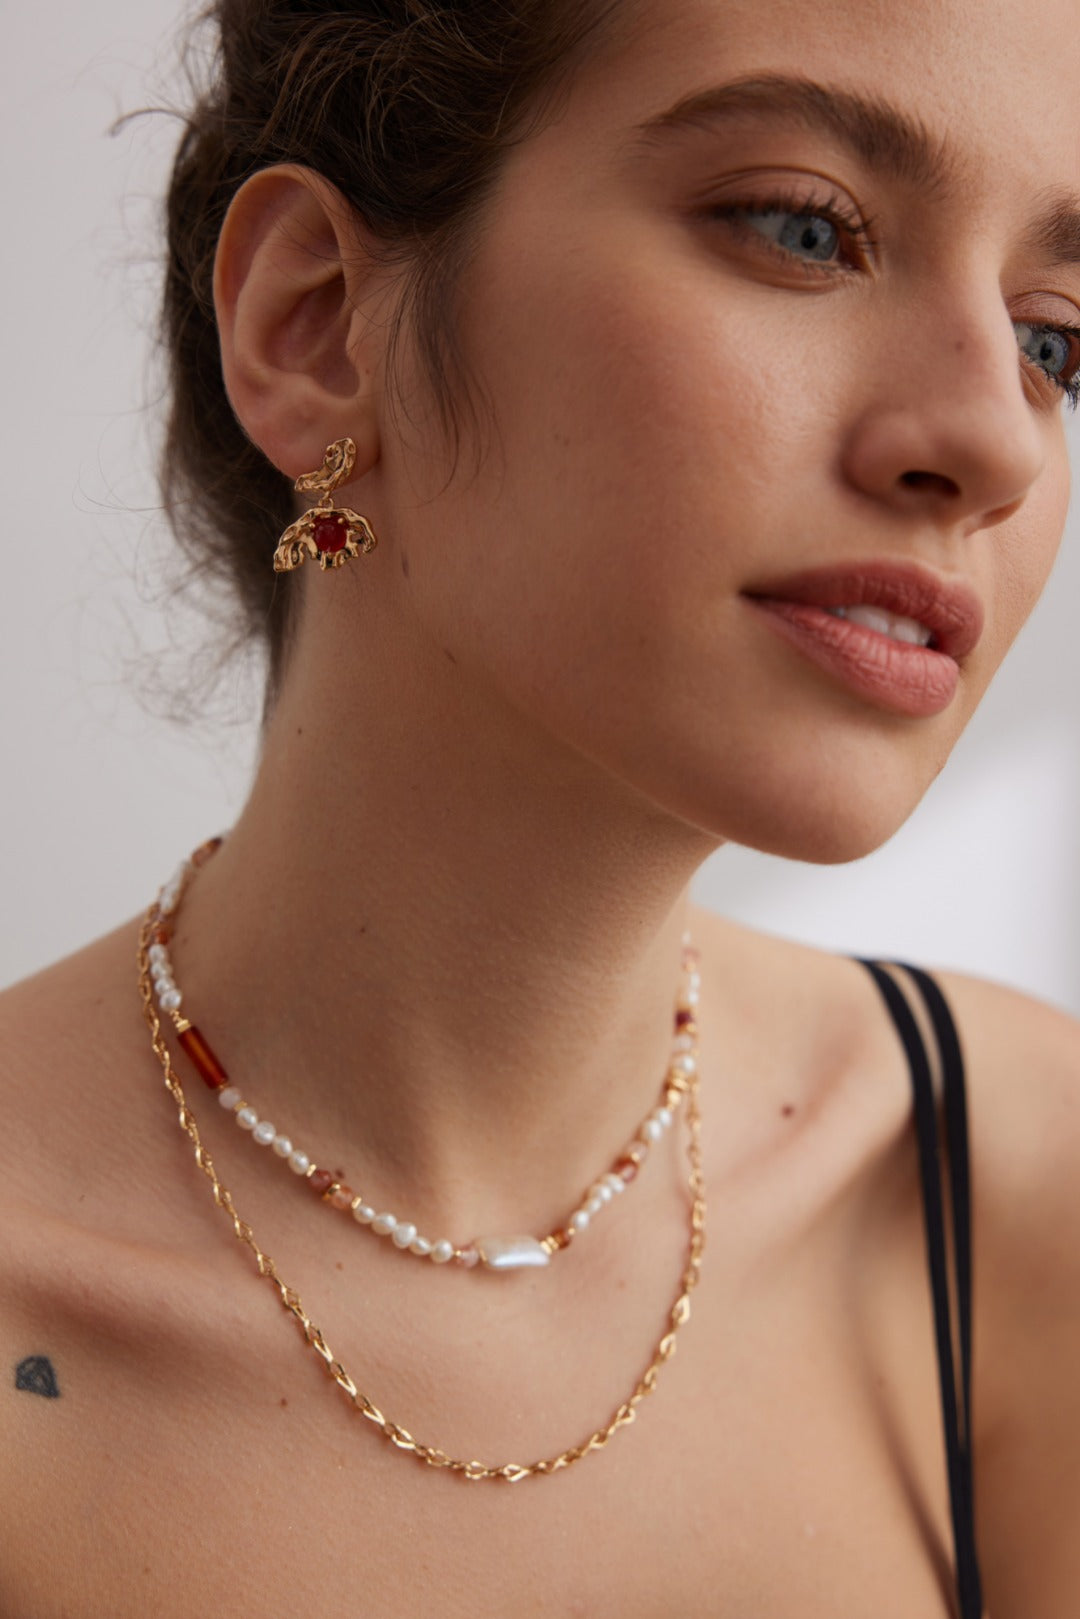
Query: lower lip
(906, 679)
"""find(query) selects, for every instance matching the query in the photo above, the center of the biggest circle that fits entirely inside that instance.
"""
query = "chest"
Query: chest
(199, 1460)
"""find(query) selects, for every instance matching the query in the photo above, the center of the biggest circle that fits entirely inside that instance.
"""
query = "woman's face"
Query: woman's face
(778, 307)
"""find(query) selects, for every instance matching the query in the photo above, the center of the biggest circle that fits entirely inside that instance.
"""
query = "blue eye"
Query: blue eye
(1045, 346)
(810, 236)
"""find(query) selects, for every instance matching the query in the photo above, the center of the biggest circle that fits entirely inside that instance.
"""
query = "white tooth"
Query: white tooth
(893, 625)
(872, 617)
(905, 629)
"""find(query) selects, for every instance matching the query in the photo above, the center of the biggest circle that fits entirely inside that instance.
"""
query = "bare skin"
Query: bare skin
(447, 923)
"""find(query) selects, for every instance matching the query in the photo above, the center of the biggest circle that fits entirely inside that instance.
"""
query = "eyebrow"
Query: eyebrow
(1056, 235)
(882, 136)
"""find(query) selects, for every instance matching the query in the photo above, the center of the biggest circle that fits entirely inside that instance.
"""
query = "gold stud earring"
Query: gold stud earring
(327, 534)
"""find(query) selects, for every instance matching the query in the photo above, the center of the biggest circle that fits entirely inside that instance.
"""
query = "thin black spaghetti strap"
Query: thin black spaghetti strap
(952, 1064)
(957, 1452)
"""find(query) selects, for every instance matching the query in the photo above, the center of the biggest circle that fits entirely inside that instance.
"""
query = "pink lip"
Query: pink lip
(912, 680)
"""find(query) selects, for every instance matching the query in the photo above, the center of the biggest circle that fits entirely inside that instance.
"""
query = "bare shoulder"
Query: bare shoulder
(1022, 1058)
(1022, 1063)
(87, 1203)
(69, 1039)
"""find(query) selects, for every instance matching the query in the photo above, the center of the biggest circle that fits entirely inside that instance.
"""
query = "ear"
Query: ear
(301, 355)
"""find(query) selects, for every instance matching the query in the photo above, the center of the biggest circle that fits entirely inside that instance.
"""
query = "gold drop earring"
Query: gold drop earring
(327, 534)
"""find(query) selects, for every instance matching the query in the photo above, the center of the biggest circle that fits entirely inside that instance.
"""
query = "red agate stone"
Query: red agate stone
(330, 533)
(202, 1057)
(320, 1181)
(683, 1018)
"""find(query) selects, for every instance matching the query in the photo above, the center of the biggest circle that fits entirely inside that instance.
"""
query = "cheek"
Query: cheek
(644, 417)
(1019, 558)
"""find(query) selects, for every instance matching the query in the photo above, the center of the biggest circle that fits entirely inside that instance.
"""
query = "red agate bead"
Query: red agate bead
(202, 1057)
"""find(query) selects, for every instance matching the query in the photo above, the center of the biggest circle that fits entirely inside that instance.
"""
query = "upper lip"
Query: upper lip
(949, 608)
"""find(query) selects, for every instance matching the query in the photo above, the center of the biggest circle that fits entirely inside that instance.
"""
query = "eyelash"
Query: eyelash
(859, 233)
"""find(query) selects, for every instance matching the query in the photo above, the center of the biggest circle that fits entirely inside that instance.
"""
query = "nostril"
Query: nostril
(935, 482)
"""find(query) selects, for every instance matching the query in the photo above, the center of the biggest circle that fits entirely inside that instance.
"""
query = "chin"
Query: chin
(824, 822)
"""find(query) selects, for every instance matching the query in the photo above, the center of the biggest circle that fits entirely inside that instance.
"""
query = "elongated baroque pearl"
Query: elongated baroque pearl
(511, 1253)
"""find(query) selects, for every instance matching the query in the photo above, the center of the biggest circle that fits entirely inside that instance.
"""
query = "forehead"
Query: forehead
(993, 80)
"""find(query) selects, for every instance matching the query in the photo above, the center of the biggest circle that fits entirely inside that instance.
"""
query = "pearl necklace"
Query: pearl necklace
(494, 1252)
(156, 929)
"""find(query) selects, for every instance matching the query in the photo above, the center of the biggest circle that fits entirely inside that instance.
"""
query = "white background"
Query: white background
(101, 796)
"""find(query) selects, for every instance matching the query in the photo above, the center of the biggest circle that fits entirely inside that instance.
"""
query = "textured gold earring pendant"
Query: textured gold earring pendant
(327, 534)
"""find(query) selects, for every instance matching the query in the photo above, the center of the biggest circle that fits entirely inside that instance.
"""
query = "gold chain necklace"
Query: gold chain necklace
(401, 1438)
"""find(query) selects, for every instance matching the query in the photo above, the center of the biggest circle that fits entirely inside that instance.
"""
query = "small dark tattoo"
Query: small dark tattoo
(35, 1374)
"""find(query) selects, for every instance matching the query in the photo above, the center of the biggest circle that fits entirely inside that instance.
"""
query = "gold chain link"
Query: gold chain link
(509, 1472)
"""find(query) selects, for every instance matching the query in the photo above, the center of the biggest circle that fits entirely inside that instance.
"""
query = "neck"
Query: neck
(447, 957)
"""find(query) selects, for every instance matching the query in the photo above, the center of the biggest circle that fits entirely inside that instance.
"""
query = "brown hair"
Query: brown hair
(406, 106)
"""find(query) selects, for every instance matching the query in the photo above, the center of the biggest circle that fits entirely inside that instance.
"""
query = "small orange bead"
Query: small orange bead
(342, 1196)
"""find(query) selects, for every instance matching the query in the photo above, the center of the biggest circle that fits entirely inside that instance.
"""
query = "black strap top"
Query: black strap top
(956, 1416)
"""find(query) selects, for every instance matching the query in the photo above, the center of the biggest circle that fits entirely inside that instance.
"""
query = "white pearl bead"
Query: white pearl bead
(299, 1162)
(602, 1191)
(264, 1132)
(170, 1000)
(684, 1042)
(403, 1235)
(384, 1224)
(651, 1130)
(614, 1183)
(247, 1118)
(229, 1097)
(421, 1246)
(691, 997)
(579, 1220)
(282, 1146)
(593, 1206)
(663, 1117)
(685, 1063)
(167, 902)
(511, 1253)
(363, 1213)
(442, 1252)
(157, 952)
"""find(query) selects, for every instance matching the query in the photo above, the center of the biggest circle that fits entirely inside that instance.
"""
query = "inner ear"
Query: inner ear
(315, 336)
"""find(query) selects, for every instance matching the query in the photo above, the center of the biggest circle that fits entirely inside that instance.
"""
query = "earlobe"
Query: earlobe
(297, 356)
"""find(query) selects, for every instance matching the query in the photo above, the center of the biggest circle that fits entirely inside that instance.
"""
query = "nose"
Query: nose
(951, 437)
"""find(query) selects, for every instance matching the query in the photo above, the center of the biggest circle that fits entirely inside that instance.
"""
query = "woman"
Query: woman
(694, 375)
